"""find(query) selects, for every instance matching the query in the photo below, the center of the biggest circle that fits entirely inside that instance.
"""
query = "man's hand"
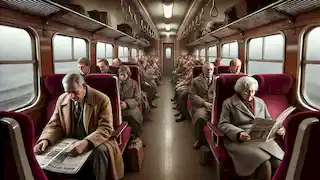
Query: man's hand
(41, 147)
(208, 106)
(123, 105)
(79, 147)
(244, 136)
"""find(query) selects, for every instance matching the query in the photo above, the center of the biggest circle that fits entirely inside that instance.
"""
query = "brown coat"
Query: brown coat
(131, 94)
(98, 123)
(201, 92)
(235, 117)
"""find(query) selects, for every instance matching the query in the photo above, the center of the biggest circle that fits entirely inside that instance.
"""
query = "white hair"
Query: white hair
(69, 80)
(245, 83)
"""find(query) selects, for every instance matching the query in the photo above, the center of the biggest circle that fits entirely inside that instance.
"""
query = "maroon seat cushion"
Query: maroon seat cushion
(310, 167)
(274, 90)
(27, 131)
(223, 69)
(197, 70)
(107, 84)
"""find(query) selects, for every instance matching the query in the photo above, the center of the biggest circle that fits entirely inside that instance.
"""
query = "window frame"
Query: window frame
(128, 57)
(221, 49)
(208, 55)
(72, 49)
(137, 53)
(35, 63)
(302, 66)
(265, 60)
(105, 47)
(205, 53)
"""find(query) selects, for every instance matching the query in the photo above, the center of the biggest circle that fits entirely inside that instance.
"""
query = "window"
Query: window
(196, 54)
(18, 68)
(229, 51)
(105, 51)
(266, 55)
(212, 53)
(140, 53)
(168, 52)
(203, 54)
(310, 67)
(134, 54)
(123, 53)
(66, 51)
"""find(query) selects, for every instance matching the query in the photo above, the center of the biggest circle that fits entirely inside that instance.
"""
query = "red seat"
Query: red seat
(224, 89)
(27, 132)
(197, 70)
(108, 84)
(308, 153)
(223, 69)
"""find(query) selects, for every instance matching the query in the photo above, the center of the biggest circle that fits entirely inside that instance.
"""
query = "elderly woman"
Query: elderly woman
(130, 100)
(253, 159)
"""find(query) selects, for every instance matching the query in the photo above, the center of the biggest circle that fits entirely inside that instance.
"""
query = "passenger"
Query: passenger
(84, 66)
(217, 62)
(115, 65)
(130, 96)
(256, 159)
(103, 65)
(201, 96)
(235, 66)
(85, 114)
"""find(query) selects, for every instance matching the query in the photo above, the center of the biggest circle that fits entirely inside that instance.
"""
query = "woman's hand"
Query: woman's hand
(123, 105)
(244, 136)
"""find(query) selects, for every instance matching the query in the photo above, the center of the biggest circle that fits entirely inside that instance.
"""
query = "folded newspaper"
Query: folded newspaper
(58, 159)
(265, 130)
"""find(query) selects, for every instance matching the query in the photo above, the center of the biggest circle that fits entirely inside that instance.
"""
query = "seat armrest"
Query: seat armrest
(118, 131)
(216, 134)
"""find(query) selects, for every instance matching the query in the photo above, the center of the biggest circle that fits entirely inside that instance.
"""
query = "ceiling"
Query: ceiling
(155, 9)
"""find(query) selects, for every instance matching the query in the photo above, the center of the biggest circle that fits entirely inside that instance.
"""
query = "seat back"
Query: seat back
(224, 89)
(274, 90)
(223, 69)
(108, 84)
(129, 63)
(305, 158)
(197, 70)
(17, 133)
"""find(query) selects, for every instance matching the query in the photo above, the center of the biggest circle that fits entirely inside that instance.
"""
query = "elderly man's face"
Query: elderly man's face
(75, 92)
(248, 94)
(235, 67)
(84, 69)
(208, 70)
(103, 67)
(115, 62)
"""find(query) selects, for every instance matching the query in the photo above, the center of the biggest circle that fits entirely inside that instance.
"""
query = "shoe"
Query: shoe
(157, 96)
(153, 106)
(178, 114)
(172, 99)
(180, 119)
(197, 145)
(144, 144)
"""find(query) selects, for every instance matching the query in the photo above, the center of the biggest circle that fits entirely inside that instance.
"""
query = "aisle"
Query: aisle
(169, 154)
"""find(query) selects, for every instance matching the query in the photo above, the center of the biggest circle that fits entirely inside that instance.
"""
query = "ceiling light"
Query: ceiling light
(168, 34)
(168, 27)
(167, 10)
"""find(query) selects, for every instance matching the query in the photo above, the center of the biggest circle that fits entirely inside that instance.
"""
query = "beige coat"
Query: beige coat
(201, 92)
(131, 94)
(235, 117)
(98, 123)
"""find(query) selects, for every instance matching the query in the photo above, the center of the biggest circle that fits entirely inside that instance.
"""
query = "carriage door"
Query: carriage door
(168, 58)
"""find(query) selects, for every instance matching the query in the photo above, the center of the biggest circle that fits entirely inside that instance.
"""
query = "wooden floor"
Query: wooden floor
(169, 154)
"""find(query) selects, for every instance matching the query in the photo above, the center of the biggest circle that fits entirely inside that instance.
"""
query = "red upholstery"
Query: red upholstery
(27, 131)
(223, 69)
(128, 63)
(108, 84)
(274, 89)
(224, 89)
(197, 70)
(310, 166)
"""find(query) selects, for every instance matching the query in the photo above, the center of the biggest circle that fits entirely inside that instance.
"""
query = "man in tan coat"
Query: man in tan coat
(85, 114)
(202, 92)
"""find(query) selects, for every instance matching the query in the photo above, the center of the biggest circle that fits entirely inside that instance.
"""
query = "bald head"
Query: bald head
(235, 66)
(208, 69)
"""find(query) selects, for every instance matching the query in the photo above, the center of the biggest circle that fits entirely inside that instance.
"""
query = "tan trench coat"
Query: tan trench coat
(235, 117)
(98, 123)
(201, 92)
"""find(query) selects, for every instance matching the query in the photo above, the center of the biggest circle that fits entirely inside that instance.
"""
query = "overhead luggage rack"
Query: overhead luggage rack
(278, 10)
(58, 13)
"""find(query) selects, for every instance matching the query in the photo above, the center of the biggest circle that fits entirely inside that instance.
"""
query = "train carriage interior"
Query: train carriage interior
(160, 89)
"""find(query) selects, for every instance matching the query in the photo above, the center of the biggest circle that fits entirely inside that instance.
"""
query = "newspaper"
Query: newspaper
(265, 130)
(58, 159)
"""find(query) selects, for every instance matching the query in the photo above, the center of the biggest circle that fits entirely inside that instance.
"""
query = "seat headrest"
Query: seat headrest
(197, 70)
(53, 84)
(276, 84)
(225, 84)
(223, 69)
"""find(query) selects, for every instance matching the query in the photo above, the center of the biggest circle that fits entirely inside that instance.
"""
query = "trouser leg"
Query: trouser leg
(136, 129)
(199, 133)
(100, 162)
(274, 164)
(183, 108)
(263, 172)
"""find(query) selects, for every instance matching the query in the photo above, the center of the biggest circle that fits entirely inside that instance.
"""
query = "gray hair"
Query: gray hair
(84, 61)
(69, 80)
(244, 83)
